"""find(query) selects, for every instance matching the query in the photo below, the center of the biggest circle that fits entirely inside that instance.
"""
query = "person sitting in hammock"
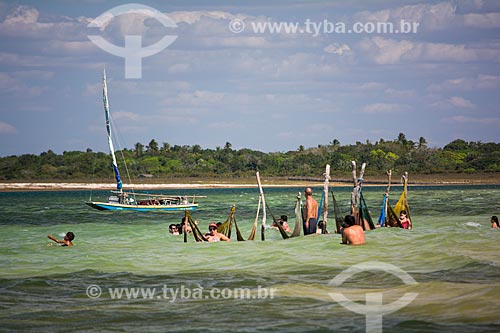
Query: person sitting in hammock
(284, 223)
(214, 236)
(404, 220)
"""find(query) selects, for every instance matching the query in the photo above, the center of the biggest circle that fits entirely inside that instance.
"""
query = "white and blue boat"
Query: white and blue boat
(129, 200)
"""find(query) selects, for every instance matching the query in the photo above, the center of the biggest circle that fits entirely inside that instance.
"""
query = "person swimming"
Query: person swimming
(68, 238)
(494, 222)
(214, 236)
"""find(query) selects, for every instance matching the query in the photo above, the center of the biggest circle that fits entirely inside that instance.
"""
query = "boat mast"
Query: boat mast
(108, 129)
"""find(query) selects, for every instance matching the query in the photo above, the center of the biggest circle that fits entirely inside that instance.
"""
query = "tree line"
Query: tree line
(167, 161)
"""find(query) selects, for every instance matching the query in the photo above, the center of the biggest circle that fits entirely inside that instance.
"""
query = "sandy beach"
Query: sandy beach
(103, 186)
(194, 183)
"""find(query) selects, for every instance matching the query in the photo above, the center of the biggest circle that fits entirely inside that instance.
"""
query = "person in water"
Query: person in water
(67, 239)
(283, 221)
(494, 222)
(310, 213)
(214, 236)
(321, 224)
(352, 234)
(185, 226)
(404, 220)
(172, 228)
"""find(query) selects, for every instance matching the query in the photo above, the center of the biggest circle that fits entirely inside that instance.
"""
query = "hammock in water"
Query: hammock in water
(197, 234)
(359, 209)
(262, 200)
(338, 216)
(298, 220)
(225, 228)
(389, 216)
(362, 215)
(284, 234)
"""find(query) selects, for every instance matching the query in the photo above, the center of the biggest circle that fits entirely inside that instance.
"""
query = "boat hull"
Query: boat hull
(141, 208)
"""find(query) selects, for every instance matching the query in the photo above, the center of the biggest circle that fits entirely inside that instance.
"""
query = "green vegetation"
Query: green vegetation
(168, 161)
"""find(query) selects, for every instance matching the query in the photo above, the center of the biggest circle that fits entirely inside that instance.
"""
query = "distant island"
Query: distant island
(457, 162)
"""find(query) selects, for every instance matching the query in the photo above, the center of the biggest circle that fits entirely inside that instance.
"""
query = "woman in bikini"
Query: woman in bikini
(214, 236)
(404, 220)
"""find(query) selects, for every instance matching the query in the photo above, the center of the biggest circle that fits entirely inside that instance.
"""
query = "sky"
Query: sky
(265, 75)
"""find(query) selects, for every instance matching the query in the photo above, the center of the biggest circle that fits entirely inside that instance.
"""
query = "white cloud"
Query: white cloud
(22, 15)
(480, 82)
(485, 21)
(435, 17)
(477, 120)
(179, 68)
(24, 22)
(7, 128)
(389, 51)
(9, 84)
(379, 108)
(125, 115)
(429, 16)
(192, 17)
(386, 51)
(223, 125)
(336, 48)
(460, 102)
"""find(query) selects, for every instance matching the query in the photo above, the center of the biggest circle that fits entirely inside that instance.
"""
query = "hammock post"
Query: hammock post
(261, 193)
(184, 227)
(382, 219)
(358, 204)
(389, 177)
(325, 202)
(255, 222)
(298, 217)
(353, 194)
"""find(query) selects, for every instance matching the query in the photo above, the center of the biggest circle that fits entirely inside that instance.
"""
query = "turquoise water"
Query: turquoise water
(452, 254)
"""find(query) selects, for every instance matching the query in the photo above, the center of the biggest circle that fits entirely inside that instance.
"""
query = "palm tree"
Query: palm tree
(139, 149)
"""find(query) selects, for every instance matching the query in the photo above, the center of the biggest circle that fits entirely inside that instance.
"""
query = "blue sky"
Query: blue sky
(269, 91)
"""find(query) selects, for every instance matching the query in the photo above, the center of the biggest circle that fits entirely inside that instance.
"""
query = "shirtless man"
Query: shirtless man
(67, 239)
(352, 234)
(310, 213)
(214, 236)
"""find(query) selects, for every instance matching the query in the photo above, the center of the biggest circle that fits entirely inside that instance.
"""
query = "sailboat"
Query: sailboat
(129, 200)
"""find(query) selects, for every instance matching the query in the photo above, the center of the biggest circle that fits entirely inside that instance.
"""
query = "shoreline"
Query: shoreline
(56, 186)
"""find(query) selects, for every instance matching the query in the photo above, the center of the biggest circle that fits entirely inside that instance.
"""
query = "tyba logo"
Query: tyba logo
(133, 52)
(374, 308)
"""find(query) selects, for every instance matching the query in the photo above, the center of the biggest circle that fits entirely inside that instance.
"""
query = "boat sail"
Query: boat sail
(121, 200)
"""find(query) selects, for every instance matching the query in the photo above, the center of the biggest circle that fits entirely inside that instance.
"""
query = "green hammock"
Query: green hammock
(225, 228)
(338, 216)
(401, 204)
(298, 217)
(363, 217)
(197, 234)
(280, 227)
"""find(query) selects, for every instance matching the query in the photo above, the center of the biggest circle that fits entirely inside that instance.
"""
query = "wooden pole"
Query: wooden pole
(388, 189)
(184, 226)
(325, 202)
(261, 193)
(355, 181)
